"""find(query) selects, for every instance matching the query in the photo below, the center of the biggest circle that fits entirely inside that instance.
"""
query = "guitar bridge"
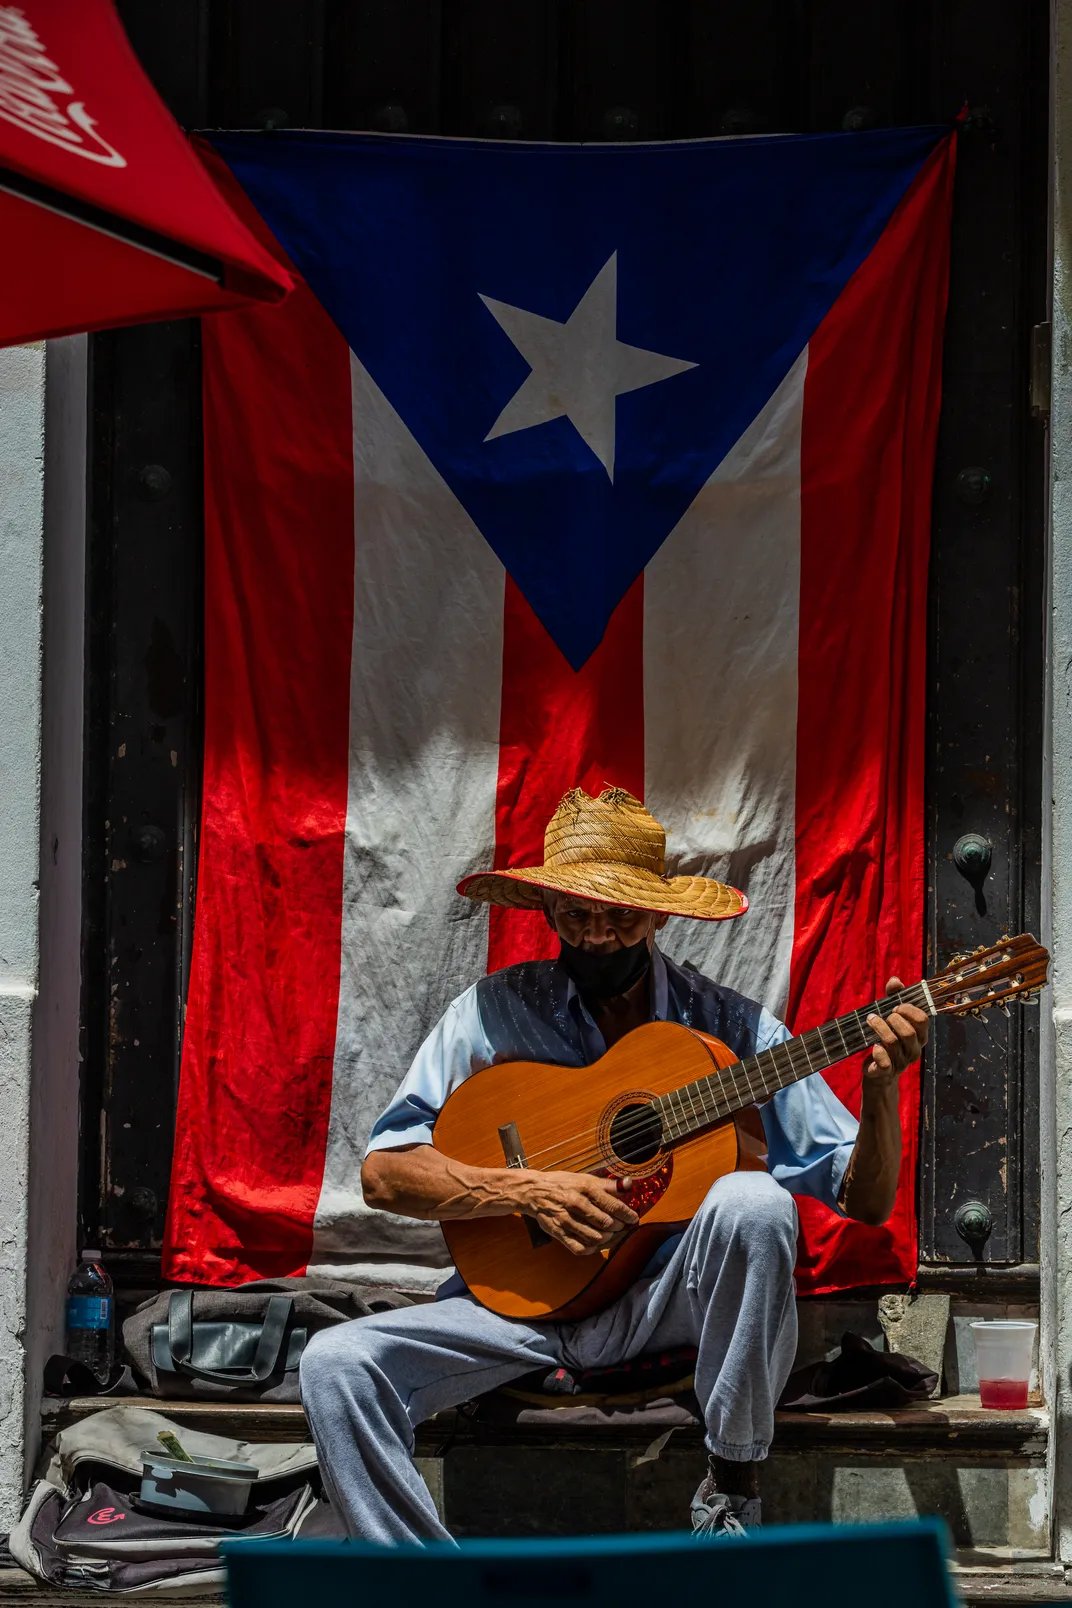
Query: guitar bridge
(514, 1152)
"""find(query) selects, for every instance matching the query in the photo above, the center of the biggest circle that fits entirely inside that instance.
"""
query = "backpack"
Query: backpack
(85, 1525)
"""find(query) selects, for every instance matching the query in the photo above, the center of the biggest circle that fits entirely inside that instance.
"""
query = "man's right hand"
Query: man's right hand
(583, 1213)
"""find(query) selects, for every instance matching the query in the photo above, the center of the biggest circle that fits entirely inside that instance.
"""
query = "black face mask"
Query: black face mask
(604, 976)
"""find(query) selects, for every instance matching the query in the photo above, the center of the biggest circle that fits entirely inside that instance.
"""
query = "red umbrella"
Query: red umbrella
(106, 214)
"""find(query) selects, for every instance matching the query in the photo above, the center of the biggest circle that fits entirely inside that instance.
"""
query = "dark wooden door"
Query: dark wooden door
(597, 70)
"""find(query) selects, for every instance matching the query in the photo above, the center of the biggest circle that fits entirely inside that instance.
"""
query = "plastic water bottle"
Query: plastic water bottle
(91, 1316)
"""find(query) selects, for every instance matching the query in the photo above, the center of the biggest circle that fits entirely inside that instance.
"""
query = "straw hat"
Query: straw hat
(612, 850)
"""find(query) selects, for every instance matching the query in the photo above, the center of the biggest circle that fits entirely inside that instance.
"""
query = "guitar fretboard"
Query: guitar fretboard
(710, 1099)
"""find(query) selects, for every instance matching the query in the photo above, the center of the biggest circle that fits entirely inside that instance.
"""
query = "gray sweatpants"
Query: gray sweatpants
(728, 1290)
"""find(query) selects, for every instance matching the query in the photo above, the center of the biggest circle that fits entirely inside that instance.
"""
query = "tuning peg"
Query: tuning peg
(958, 960)
(1006, 938)
(1003, 1007)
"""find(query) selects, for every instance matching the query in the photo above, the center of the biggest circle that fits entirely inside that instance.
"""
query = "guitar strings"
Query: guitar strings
(580, 1160)
(584, 1159)
(720, 1076)
(635, 1125)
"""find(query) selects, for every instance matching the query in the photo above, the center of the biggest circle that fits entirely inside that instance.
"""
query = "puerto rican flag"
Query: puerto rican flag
(563, 465)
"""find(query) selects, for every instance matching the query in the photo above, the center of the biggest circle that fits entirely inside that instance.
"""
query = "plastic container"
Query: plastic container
(206, 1485)
(91, 1316)
(1003, 1354)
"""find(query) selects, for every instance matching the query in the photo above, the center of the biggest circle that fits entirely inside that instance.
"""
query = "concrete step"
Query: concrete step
(1014, 1586)
(18, 1586)
(983, 1472)
(1006, 1586)
(950, 1424)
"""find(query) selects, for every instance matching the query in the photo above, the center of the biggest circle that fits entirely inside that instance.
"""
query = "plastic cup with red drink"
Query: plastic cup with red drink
(1003, 1353)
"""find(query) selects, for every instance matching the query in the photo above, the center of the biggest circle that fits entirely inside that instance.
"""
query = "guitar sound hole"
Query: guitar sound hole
(636, 1134)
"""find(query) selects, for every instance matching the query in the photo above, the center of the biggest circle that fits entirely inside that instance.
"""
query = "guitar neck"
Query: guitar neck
(711, 1099)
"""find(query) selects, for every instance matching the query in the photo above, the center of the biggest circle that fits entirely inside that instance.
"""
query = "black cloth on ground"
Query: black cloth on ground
(656, 1391)
(859, 1377)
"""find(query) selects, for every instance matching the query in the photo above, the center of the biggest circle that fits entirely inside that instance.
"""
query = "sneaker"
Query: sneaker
(714, 1514)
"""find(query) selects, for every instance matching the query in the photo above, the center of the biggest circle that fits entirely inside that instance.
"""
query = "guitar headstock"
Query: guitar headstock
(1014, 968)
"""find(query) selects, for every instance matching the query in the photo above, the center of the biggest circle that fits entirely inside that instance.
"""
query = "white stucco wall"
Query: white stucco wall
(22, 421)
(55, 1065)
(1057, 1089)
(42, 592)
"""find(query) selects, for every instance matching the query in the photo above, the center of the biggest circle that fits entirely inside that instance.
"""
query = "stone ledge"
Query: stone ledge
(18, 1586)
(1003, 1587)
(955, 1426)
(1006, 1585)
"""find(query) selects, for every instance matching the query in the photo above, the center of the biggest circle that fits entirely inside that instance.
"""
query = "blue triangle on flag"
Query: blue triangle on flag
(449, 265)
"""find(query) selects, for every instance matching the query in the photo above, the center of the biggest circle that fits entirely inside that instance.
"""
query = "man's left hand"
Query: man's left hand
(901, 1037)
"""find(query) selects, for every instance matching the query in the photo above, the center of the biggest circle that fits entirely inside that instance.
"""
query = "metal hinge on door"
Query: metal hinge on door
(1039, 389)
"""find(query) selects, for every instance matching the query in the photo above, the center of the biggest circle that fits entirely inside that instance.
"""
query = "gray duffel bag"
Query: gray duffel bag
(241, 1344)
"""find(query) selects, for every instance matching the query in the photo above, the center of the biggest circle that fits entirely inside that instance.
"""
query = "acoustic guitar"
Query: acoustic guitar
(672, 1110)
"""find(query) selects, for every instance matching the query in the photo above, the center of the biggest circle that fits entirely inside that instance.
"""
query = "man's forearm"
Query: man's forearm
(584, 1213)
(870, 1185)
(422, 1182)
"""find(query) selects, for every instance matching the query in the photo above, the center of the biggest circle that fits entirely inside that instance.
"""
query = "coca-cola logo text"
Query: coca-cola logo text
(36, 97)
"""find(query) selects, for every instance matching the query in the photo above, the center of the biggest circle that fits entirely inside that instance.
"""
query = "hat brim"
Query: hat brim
(612, 883)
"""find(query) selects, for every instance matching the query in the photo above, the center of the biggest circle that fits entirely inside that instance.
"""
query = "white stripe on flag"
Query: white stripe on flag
(721, 613)
(424, 757)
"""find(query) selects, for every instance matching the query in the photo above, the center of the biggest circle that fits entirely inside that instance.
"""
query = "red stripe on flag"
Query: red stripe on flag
(560, 728)
(255, 1093)
(871, 405)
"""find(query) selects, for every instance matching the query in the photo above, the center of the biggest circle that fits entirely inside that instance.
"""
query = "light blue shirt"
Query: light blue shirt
(533, 1012)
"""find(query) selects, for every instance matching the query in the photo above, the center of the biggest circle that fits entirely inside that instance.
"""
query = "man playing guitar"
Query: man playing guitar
(724, 1284)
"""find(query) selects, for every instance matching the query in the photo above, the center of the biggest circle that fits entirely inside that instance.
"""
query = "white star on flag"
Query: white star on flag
(579, 368)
